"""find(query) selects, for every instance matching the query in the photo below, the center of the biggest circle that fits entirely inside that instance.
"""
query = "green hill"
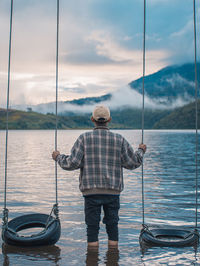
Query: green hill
(32, 120)
(128, 118)
(180, 118)
(132, 118)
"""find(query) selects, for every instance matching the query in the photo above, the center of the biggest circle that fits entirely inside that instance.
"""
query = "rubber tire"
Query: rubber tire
(192, 239)
(49, 237)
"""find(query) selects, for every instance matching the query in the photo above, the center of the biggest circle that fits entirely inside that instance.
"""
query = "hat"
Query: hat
(101, 113)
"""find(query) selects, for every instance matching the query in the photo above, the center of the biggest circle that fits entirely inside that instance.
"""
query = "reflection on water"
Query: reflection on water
(169, 172)
(111, 257)
(92, 257)
(50, 254)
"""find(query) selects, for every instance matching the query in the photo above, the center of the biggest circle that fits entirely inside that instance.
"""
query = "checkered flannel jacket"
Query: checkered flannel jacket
(101, 155)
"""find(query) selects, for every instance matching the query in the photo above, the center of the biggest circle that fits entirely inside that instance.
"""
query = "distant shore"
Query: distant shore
(127, 118)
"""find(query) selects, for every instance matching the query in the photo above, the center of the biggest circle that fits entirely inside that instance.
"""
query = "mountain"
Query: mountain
(169, 83)
(180, 118)
(90, 100)
(170, 86)
(165, 86)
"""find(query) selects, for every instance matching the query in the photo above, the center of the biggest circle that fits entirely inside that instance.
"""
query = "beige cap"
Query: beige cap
(101, 113)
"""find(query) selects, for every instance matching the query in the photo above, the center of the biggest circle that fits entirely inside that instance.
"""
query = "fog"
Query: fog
(123, 98)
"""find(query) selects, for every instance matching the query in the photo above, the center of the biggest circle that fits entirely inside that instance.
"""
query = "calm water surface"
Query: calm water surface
(169, 171)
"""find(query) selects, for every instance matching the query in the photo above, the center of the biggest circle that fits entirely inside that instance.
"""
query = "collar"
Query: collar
(101, 127)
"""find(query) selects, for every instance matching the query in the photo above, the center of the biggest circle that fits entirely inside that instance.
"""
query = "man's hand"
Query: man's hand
(143, 147)
(55, 154)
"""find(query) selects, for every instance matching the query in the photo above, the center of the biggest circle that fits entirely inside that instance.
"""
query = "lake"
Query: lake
(169, 184)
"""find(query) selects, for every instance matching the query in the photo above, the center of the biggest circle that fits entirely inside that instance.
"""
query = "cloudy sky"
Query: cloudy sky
(100, 48)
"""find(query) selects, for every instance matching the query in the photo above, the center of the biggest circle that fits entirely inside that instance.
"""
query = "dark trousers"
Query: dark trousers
(111, 205)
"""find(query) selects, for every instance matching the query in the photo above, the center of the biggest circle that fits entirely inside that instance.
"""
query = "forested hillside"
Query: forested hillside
(128, 118)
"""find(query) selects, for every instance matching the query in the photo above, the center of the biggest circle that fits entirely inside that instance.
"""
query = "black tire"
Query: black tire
(47, 237)
(184, 237)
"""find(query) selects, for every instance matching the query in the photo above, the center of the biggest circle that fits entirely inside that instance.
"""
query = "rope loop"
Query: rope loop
(145, 228)
(5, 218)
(56, 210)
(195, 232)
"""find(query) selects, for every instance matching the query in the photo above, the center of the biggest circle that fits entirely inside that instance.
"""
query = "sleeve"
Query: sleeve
(129, 158)
(75, 159)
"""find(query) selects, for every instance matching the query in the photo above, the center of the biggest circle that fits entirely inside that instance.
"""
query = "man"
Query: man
(101, 156)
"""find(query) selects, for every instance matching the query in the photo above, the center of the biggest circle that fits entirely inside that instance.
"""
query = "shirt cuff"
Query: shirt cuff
(57, 157)
(140, 149)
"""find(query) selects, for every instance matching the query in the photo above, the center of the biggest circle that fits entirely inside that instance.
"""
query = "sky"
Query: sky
(100, 46)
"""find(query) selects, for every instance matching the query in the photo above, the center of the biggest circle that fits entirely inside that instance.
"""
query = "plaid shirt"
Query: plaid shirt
(101, 155)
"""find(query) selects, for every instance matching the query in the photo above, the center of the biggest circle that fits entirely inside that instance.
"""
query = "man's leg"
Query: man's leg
(111, 218)
(112, 244)
(92, 219)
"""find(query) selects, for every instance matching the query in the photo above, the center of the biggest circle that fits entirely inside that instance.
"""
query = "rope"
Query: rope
(144, 33)
(5, 212)
(55, 206)
(196, 114)
(56, 107)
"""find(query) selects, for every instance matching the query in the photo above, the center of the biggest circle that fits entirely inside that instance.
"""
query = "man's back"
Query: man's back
(101, 154)
(102, 166)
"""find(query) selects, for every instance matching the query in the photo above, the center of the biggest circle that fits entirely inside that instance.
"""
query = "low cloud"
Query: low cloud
(122, 98)
(177, 79)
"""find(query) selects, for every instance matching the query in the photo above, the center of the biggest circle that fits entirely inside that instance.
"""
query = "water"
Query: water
(169, 171)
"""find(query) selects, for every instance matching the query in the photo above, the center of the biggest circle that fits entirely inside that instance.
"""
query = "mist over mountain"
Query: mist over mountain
(169, 104)
(82, 105)
(169, 84)
(90, 100)
(169, 88)
(129, 118)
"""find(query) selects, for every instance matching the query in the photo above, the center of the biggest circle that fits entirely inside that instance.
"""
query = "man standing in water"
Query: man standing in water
(101, 156)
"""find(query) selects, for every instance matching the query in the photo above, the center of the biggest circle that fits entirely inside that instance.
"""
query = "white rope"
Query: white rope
(5, 212)
(196, 114)
(144, 40)
(56, 107)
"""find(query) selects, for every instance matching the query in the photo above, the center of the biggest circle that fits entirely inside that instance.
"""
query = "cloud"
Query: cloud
(182, 41)
(88, 57)
(125, 97)
(106, 47)
(177, 79)
(110, 48)
(100, 45)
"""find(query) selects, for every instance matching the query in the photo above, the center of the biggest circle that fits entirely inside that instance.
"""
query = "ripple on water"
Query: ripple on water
(169, 175)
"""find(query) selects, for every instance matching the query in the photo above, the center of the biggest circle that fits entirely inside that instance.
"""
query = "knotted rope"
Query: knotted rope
(5, 211)
(144, 44)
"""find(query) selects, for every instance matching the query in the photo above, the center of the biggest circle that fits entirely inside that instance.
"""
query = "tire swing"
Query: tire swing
(50, 223)
(169, 237)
